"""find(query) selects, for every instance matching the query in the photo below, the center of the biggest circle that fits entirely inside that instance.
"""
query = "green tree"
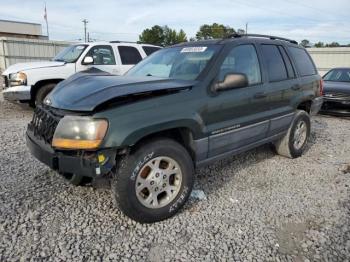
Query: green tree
(319, 44)
(214, 31)
(154, 35)
(162, 35)
(333, 44)
(305, 43)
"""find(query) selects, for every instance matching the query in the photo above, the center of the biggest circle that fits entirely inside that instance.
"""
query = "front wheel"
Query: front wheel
(43, 92)
(293, 144)
(154, 182)
(74, 179)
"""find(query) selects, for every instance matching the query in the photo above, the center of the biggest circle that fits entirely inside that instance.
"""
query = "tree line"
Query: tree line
(165, 36)
(307, 43)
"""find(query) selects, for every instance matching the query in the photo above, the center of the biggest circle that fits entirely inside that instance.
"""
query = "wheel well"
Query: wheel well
(41, 83)
(183, 136)
(306, 106)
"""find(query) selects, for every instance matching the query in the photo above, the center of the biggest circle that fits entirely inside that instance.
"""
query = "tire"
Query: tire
(174, 187)
(43, 92)
(293, 145)
(73, 179)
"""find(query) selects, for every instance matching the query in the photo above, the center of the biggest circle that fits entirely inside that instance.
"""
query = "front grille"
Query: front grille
(336, 95)
(43, 124)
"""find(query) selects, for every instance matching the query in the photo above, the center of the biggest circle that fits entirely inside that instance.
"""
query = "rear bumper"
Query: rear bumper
(316, 105)
(17, 93)
(84, 164)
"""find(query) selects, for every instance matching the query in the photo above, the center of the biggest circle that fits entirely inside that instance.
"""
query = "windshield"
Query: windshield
(70, 54)
(184, 63)
(338, 75)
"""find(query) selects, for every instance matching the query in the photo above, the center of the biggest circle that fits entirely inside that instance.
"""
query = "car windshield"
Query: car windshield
(338, 75)
(185, 63)
(70, 54)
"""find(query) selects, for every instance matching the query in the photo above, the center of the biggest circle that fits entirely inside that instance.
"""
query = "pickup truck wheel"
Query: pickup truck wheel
(154, 182)
(43, 92)
(73, 179)
(292, 145)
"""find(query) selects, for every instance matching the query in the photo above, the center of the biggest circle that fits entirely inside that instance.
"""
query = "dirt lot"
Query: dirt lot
(258, 207)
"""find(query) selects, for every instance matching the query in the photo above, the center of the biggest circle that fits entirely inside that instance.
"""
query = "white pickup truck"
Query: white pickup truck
(31, 82)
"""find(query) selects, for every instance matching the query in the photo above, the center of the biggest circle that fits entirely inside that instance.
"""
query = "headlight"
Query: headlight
(18, 79)
(79, 132)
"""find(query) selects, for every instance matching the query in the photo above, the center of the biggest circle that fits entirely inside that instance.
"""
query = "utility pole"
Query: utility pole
(85, 23)
(246, 28)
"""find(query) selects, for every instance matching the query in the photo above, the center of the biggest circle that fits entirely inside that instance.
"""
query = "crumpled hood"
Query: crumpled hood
(85, 91)
(30, 65)
(337, 87)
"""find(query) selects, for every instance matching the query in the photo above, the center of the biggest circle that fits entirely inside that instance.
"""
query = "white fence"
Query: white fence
(18, 50)
(327, 58)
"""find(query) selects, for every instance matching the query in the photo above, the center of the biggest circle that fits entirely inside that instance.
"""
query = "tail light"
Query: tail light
(321, 87)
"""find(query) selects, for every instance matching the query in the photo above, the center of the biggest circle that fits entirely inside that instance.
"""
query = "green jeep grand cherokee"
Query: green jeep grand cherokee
(182, 107)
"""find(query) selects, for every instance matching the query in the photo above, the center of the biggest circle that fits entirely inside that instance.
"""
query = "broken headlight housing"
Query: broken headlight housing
(17, 79)
(79, 132)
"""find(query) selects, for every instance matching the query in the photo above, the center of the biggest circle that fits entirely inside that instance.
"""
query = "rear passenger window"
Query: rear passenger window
(150, 49)
(302, 61)
(287, 62)
(129, 55)
(275, 65)
(242, 59)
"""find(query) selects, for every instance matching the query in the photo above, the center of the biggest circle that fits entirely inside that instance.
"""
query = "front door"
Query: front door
(103, 59)
(237, 118)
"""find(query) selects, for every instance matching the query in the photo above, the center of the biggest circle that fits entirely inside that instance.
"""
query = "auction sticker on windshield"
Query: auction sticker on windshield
(193, 49)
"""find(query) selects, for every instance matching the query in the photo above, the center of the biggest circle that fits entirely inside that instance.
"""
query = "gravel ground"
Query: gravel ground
(258, 207)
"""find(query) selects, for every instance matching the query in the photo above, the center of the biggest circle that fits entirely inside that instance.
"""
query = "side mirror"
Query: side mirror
(232, 81)
(88, 60)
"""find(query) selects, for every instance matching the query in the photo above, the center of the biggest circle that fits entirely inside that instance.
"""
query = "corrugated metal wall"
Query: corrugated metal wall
(19, 50)
(327, 58)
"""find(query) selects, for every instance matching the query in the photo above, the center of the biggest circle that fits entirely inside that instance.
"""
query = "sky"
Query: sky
(315, 20)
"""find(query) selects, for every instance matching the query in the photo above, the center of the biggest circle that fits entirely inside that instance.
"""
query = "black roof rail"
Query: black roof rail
(118, 41)
(235, 35)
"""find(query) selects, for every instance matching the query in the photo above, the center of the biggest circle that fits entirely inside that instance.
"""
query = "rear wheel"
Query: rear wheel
(43, 92)
(154, 182)
(293, 144)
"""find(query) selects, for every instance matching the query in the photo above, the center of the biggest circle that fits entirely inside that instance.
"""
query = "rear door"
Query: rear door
(237, 118)
(128, 56)
(280, 86)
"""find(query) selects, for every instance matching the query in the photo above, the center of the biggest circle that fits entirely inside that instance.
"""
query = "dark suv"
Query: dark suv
(182, 107)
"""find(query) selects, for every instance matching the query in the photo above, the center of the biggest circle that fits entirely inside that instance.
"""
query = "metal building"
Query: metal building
(21, 29)
(19, 50)
(327, 58)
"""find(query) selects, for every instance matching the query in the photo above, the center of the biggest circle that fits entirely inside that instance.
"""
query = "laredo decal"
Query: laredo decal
(223, 130)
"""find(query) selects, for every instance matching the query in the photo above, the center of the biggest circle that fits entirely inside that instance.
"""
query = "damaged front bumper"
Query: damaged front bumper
(17, 93)
(85, 163)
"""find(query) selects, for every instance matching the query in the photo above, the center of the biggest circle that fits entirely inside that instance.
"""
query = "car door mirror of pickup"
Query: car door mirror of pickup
(88, 60)
(231, 81)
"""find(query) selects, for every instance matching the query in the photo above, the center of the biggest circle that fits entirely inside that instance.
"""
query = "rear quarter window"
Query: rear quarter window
(302, 61)
(150, 49)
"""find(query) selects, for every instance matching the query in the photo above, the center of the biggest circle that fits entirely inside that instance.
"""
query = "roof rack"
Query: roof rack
(235, 35)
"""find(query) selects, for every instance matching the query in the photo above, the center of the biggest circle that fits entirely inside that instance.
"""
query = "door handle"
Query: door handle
(260, 95)
(296, 87)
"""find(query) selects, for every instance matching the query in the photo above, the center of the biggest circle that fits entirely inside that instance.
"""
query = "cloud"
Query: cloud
(109, 19)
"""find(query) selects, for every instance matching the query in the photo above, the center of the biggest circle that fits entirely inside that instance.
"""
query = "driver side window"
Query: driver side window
(242, 59)
(102, 55)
